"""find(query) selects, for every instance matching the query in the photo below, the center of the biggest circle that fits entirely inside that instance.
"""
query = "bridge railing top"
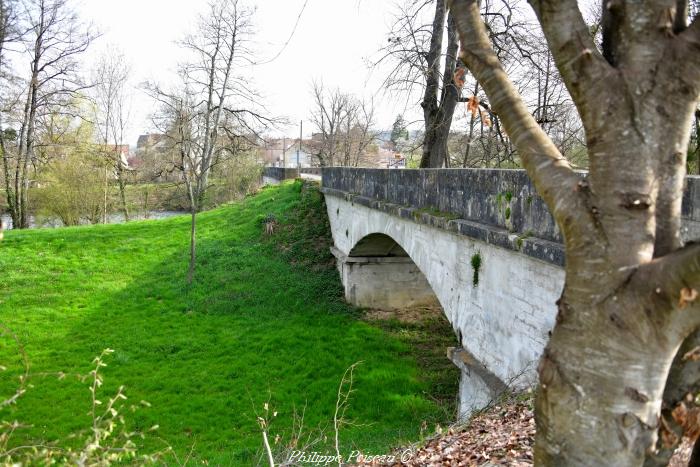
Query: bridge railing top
(504, 198)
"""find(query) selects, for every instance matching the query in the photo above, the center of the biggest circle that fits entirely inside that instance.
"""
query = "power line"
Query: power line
(289, 39)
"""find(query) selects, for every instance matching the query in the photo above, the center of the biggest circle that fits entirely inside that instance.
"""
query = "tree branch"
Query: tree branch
(675, 277)
(689, 41)
(551, 173)
(581, 65)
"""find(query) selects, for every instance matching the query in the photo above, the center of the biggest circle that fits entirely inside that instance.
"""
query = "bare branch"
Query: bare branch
(676, 278)
(689, 42)
(551, 173)
(580, 63)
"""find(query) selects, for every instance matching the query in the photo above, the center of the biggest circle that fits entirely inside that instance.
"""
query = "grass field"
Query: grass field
(264, 321)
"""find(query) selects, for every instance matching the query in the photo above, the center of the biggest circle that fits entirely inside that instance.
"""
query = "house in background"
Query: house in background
(110, 150)
(282, 152)
(150, 142)
(154, 158)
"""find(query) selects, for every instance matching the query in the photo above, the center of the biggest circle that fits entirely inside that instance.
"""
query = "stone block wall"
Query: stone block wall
(280, 173)
(501, 198)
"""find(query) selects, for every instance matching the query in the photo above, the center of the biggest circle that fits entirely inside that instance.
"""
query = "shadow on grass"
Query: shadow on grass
(252, 328)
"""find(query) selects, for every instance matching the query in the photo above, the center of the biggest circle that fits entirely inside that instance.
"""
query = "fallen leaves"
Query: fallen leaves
(688, 295)
(459, 77)
(692, 355)
(688, 418)
(502, 435)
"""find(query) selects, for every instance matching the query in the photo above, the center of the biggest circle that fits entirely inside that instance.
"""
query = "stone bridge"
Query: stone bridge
(480, 242)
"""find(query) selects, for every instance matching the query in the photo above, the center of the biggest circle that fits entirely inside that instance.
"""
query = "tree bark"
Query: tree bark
(439, 101)
(622, 314)
(695, 456)
(105, 192)
(193, 246)
(122, 190)
(697, 142)
(683, 379)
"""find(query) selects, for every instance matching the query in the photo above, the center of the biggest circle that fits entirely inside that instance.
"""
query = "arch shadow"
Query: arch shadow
(379, 273)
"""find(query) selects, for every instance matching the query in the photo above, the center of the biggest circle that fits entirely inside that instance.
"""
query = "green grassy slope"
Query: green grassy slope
(264, 320)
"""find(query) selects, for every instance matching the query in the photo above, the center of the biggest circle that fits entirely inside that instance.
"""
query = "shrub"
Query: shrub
(105, 442)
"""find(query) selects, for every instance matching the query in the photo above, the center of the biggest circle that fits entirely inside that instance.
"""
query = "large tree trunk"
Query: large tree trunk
(629, 299)
(602, 376)
(434, 145)
(683, 380)
(695, 456)
(438, 110)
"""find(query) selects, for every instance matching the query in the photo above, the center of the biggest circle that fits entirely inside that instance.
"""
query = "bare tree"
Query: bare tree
(9, 34)
(421, 61)
(112, 114)
(54, 39)
(439, 101)
(344, 127)
(630, 296)
(212, 102)
(425, 58)
(523, 50)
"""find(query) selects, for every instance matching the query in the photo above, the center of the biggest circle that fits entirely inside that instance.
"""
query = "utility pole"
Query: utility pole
(301, 128)
(284, 152)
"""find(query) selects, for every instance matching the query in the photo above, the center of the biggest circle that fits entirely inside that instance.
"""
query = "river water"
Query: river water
(114, 218)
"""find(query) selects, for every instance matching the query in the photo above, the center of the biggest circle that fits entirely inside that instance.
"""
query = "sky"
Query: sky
(334, 42)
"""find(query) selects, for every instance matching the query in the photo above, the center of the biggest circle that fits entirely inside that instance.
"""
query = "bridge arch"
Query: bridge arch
(378, 245)
(379, 273)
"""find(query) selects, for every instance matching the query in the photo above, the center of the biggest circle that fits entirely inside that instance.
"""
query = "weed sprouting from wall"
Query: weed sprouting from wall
(476, 267)
(503, 201)
(521, 238)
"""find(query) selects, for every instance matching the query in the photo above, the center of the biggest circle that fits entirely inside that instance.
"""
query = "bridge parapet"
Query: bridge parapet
(501, 198)
(311, 171)
(274, 175)
(497, 206)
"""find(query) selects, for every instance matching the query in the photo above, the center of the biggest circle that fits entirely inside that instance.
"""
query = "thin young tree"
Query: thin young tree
(10, 34)
(212, 99)
(329, 112)
(111, 96)
(424, 58)
(630, 296)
